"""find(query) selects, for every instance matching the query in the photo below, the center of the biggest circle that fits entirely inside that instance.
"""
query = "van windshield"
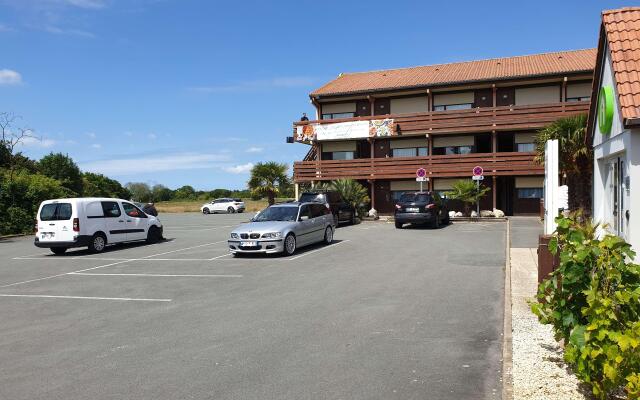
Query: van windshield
(55, 212)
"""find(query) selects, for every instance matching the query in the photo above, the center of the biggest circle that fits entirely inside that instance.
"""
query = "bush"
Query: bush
(21, 197)
(467, 191)
(593, 302)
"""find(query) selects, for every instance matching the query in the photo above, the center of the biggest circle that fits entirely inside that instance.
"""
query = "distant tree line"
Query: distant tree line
(146, 193)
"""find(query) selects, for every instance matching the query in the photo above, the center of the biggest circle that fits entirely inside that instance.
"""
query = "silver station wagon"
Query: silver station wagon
(282, 228)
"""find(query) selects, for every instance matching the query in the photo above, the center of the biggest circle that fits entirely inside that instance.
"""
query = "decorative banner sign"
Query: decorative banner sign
(605, 110)
(477, 171)
(346, 130)
(421, 173)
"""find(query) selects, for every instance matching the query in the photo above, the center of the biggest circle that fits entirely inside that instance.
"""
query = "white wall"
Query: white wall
(624, 144)
(409, 105)
(537, 95)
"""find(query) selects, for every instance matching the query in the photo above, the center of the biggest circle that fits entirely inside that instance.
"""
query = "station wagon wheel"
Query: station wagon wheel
(231, 210)
(290, 244)
(205, 210)
(328, 235)
(98, 243)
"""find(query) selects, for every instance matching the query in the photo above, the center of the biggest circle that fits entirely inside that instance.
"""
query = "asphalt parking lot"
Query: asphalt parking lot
(379, 314)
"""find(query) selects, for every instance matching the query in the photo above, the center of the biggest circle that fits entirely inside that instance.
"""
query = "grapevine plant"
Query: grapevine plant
(592, 300)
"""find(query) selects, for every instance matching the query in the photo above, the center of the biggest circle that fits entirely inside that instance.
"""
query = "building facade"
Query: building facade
(614, 125)
(379, 127)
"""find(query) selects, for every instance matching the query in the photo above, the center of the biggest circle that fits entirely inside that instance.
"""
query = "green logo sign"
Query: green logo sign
(605, 110)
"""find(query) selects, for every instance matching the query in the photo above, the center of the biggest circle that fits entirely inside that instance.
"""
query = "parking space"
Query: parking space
(379, 314)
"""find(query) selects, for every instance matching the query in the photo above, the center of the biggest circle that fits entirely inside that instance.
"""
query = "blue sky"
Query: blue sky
(194, 92)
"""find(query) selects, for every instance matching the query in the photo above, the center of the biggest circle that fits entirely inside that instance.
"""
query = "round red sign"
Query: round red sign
(477, 170)
(421, 173)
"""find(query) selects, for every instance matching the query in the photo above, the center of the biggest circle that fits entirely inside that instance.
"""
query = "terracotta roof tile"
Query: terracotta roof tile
(622, 29)
(462, 72)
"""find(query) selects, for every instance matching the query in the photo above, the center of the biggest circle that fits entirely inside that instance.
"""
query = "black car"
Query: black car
(341, 210)
(421, 208)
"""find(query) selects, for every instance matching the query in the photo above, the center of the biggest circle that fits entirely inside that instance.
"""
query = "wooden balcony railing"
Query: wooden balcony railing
(512, 163)
(484, 119)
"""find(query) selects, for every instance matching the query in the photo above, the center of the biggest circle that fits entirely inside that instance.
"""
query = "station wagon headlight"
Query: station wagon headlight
(234, 236)
(272, 235)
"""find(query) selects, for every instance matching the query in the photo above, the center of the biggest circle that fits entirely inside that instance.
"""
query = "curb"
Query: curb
(507, 338)
(15, 236)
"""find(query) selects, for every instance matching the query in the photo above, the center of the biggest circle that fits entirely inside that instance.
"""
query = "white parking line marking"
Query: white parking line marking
(109, 265)
(224, 255)
(159, 275)
(316, 250)
(81, 297)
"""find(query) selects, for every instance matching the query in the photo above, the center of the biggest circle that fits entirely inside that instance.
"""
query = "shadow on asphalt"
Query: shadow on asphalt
(298, 252)
(109, 249)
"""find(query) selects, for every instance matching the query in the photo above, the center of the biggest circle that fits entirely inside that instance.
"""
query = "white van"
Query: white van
(92, 222)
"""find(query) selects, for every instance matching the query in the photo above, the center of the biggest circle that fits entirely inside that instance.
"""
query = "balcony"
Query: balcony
(486, 119)
(494, 164)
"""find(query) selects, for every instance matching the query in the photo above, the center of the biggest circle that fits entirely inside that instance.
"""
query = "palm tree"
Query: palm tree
(352, 192)
(575, 157)
(468, 192)
(268, 179)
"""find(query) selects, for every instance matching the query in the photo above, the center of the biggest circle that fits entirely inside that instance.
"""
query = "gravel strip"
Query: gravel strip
(539, 371)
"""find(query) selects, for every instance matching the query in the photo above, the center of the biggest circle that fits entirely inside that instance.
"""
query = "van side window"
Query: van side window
(111, 209)
(94, 210)
(133, 211)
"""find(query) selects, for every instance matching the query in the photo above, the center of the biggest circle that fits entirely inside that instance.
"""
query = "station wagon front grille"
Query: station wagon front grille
(249, 235)
(244, 236)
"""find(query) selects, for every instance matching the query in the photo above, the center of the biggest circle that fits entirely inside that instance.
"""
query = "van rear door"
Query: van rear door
(55, 222)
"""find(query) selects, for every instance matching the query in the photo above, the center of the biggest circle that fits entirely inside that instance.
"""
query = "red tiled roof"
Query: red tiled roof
(622, 30)
(462, 72)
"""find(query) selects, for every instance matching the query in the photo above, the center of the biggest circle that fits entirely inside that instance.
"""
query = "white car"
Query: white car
(225, 205)
(92, 222)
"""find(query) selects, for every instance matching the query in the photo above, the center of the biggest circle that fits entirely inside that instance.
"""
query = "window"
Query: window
(526, 147)
(581, 98)
(410, 152)
(452, 150)
(342, 155)
(318, 210)
(530, 193)
(338, 115)
(133, 211)
(305, 211)
(55, 212)
(110, 209)
(446, 107)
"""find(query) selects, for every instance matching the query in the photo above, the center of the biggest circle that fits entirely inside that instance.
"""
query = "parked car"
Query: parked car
(283, 228)
(421, 208)
(342, 211)
(226, 205)
(92, 222)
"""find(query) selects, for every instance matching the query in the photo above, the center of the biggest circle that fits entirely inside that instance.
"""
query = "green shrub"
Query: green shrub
(593, 302)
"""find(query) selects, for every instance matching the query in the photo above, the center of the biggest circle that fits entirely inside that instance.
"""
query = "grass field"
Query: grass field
(194, 205)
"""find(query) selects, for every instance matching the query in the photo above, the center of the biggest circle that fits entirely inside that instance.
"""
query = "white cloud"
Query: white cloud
(239, 169)
(254, 149)
(145, 164)
(10, 77)
(72, 32)
(93, 4)
(96, 146)
(261, 84)
(92, 135)
(152, 136)
(37, 142)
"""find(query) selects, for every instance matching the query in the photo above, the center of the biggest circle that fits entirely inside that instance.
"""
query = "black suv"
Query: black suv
(341, 210)
(421, 208)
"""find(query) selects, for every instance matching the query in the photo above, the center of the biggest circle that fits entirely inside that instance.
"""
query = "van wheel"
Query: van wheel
(153, 235)
(58, 250)
(231, 210)
(98, 243)
(205, 210)
(290, 244)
